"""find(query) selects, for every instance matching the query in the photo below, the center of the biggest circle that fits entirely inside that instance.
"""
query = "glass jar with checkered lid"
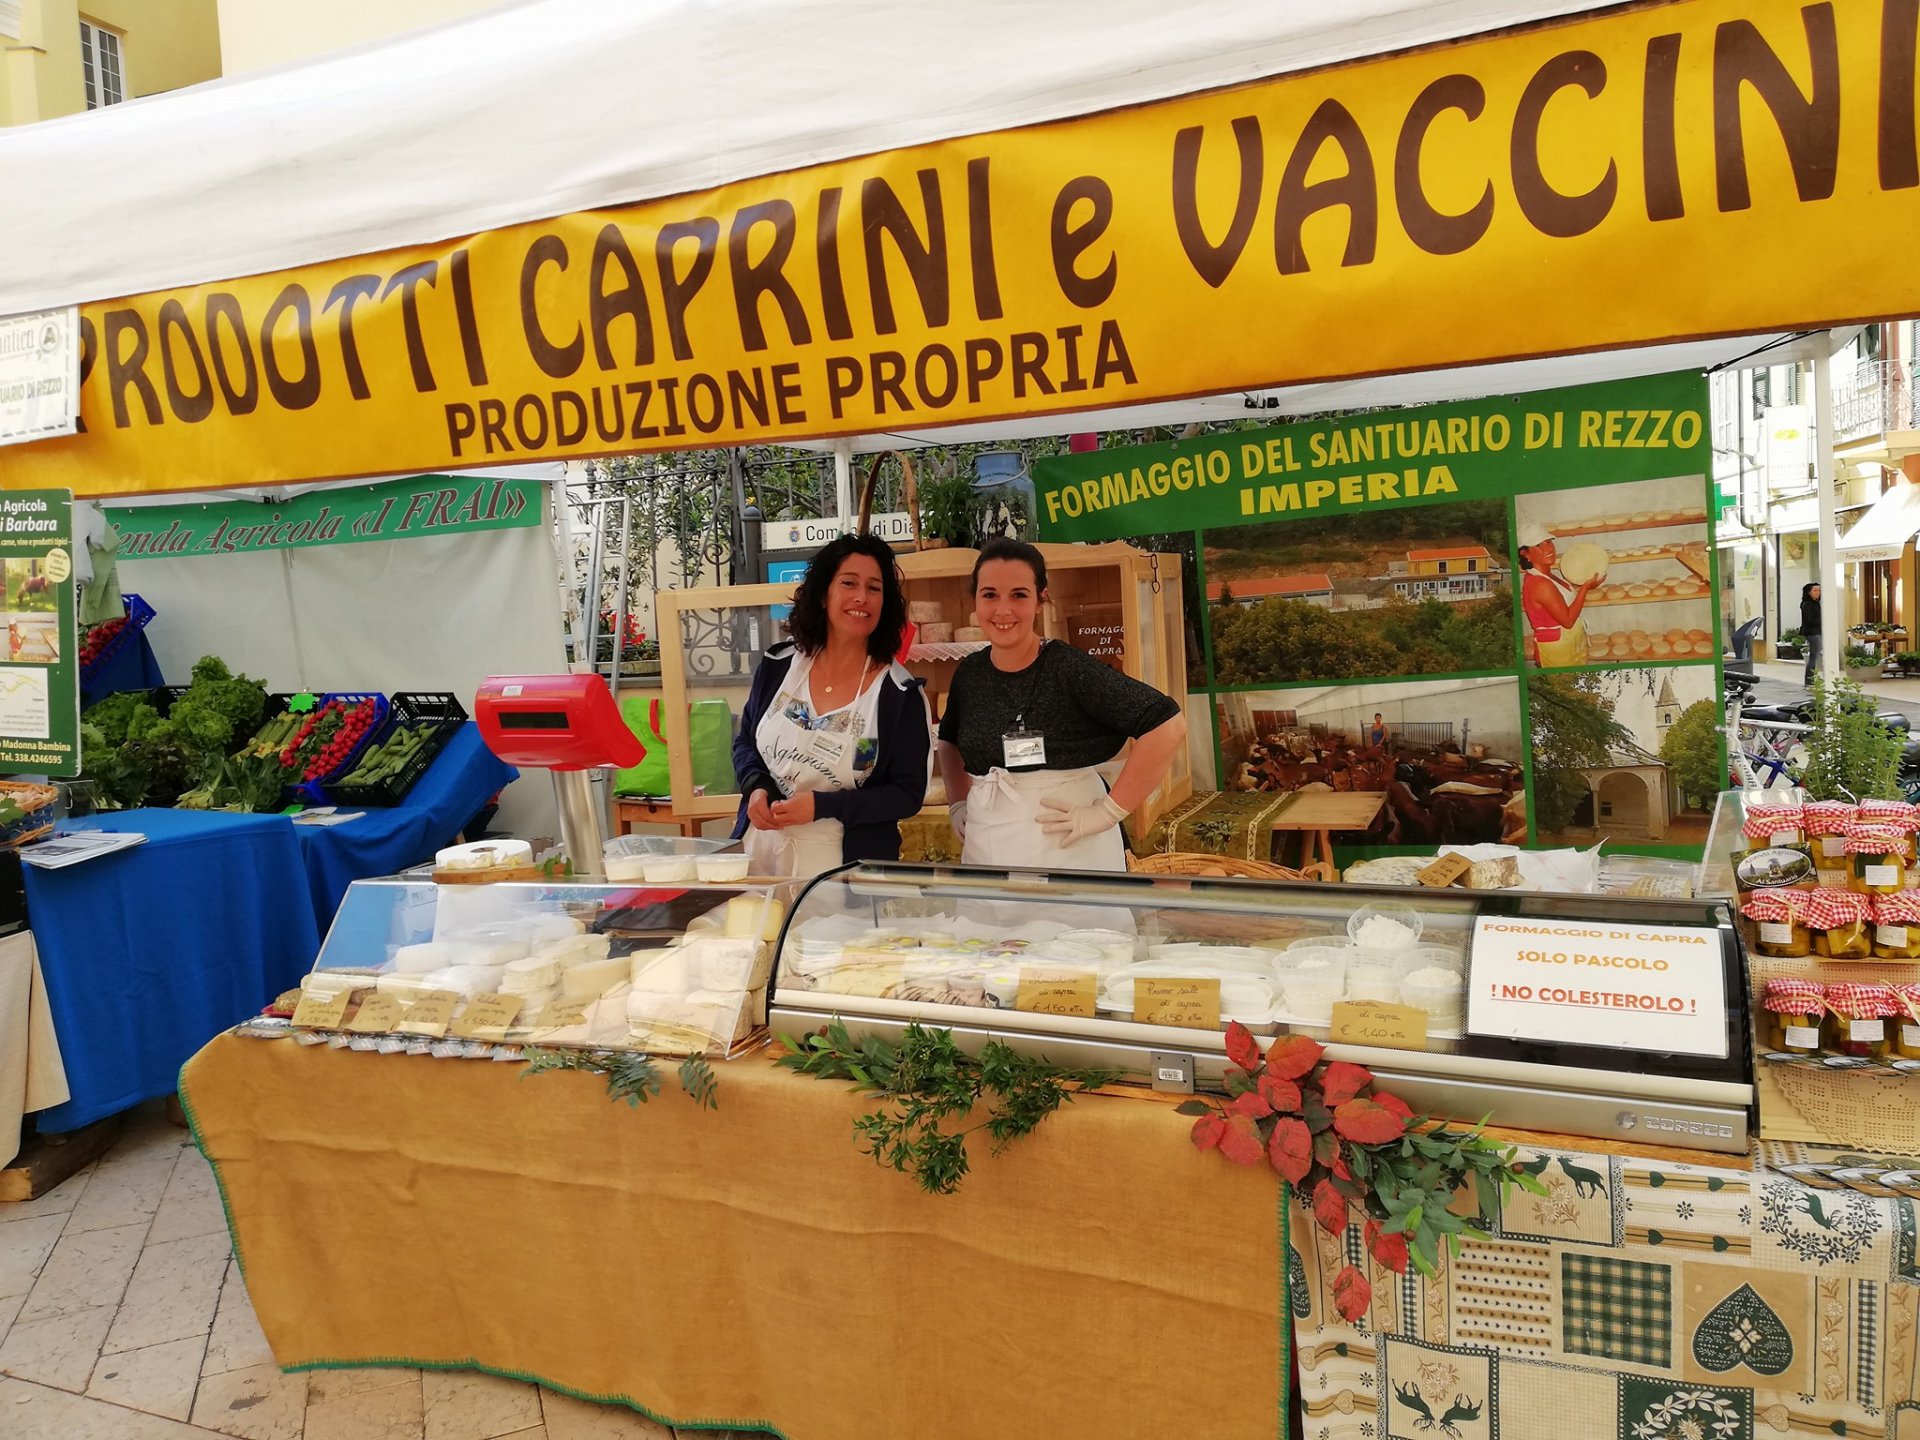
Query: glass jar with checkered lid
(1794, 1011)
(1841, 923)
(1779, 921)
(1877, 858)
(1896, 926)
(1857, 1016)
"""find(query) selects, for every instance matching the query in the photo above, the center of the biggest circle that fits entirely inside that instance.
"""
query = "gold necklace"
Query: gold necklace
(828, 689)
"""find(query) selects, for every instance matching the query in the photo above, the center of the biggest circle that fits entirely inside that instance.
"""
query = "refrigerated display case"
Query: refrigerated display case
(672, 968)
(1584, 1015)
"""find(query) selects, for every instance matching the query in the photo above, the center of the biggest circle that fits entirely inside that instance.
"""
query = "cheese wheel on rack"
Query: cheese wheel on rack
(925, 612)
(969, 634)
(935, 632)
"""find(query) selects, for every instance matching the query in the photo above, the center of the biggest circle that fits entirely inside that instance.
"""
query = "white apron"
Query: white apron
(807, 752)
(1003, 821)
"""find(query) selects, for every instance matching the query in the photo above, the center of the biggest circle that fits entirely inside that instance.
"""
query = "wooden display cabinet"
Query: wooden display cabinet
(1109, 598)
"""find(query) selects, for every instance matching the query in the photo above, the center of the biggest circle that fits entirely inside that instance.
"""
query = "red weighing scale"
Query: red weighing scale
(566, 724)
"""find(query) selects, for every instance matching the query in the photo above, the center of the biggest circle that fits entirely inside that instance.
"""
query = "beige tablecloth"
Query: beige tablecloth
(1100, 1280)
(31, 1075)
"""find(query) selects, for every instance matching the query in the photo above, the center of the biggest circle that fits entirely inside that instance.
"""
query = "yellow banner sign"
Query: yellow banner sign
(1669, 171)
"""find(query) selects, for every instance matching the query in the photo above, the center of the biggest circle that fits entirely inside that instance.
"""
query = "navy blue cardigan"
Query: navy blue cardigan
(895, 788)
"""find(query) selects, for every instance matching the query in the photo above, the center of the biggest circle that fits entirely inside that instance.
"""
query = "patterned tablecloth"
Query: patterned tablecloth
(1640, 1299)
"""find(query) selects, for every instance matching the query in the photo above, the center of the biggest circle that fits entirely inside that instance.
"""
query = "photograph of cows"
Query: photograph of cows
(1615, 574)
(1445, 754)
(1423, 590)
(1631, 756)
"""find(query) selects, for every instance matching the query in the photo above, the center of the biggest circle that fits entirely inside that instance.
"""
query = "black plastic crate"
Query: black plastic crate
(443, 712)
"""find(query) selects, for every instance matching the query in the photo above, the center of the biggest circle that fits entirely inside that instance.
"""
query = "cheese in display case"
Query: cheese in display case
(670, 969)
(1589, 1015)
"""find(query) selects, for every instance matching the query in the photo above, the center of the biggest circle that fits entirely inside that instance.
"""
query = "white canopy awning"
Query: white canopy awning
(1883, 532)
(545, 107)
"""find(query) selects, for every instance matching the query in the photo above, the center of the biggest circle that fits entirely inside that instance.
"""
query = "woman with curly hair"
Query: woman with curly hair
(834, 745)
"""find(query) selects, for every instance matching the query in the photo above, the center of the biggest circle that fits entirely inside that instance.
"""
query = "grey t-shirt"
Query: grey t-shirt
(1086, 710)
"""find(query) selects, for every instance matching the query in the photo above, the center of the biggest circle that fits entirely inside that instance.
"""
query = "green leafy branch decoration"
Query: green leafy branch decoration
(630, 1077)
(927, 1080)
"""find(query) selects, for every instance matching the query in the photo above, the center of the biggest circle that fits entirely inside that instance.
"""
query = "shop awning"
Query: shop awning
(1883, 532)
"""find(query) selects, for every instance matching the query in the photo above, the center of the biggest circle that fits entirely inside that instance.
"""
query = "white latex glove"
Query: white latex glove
(957, 818)
(1070, 825)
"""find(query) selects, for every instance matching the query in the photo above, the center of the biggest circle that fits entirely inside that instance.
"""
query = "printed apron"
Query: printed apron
(808, 752)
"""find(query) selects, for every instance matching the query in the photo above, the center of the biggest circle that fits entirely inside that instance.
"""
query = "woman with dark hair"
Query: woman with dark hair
(1812, 636)
(1026, 722)
(1554, 606)
(833, 748)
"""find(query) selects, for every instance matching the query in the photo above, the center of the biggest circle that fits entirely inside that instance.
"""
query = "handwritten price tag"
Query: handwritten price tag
(487, 1017)
(430, 1014)
(1046, 992)
(1374, 1022)
(1444, 871)
(560, 1014)
(321, 1013)
(378, 1015)
(1190, 1004)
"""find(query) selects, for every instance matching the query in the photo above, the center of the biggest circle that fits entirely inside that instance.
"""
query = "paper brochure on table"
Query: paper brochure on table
(1626, 986)
(64, 850)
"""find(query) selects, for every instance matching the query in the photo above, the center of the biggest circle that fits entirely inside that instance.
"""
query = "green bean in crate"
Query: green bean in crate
(418, 729)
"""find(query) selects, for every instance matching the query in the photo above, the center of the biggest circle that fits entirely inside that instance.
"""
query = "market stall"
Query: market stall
(1031, 291)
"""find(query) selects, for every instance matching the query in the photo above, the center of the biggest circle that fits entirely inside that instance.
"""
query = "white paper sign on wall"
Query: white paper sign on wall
(1626, 987)
(39, 375)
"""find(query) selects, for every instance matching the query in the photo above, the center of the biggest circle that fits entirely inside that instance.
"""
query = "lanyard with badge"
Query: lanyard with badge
(1021, 748)
(830, 750)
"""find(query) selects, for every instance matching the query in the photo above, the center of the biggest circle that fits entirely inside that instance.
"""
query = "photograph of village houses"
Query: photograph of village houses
(1419, 590)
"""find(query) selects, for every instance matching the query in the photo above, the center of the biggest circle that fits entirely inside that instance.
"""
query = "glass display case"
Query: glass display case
(673, 968)
(1585, 1015)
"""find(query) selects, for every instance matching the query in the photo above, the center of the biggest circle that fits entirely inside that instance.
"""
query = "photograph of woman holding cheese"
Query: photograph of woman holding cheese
(833, 747)
(1026, 722)
(1552, 603)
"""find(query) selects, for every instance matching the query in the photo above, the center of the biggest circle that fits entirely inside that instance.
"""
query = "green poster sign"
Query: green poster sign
(40, 670)
(1639, 429)
(1483, 623)
(398, 510)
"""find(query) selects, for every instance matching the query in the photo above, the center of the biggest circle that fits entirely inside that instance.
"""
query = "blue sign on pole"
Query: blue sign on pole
(780, 572)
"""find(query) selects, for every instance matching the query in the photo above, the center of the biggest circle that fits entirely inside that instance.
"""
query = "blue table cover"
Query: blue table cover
(463, 777)
(150, 953)
(134, 668)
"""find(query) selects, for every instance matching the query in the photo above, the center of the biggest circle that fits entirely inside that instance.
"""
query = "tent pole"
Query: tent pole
(1827, 572)
(843, 482)
(590, 593)
(568, 565)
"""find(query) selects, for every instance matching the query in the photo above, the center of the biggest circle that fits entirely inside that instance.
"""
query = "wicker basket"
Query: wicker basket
(1223, 866)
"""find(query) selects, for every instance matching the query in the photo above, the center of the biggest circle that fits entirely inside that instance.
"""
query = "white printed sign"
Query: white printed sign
(39, 375)
(1628, 987)
(892, 527)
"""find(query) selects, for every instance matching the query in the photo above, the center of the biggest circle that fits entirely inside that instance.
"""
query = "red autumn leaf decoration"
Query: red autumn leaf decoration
(1343, 1081)
(1395, 1104)
(1351, 1294)
(1282, 1094)
(1329, 1208)
(1338, 1164)
(1242, 1049)
(1293, 1056)
(1290, 1149)
(1207, 1131)
(1389, 1250)
(1240, 1141)
(1367, 1122)
(1253, 1104)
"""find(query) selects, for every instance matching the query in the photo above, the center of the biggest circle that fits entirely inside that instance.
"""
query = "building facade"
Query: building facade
(62, 58)
(1768, 533)
(1461, 572)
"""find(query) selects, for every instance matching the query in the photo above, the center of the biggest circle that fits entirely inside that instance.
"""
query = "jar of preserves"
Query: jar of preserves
(1771, 826)
(1794, 1011)
(1896, 926)
(1895, 815)
(1825, 823)
(1841, 923)
(1779, 921)
(1857, 1020)
(1906, 1038)
(1876, 859)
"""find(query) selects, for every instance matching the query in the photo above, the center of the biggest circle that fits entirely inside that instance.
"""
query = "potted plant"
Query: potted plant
(1790, 645)
(1901, 663)
(947, 505)
(1860, 663)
